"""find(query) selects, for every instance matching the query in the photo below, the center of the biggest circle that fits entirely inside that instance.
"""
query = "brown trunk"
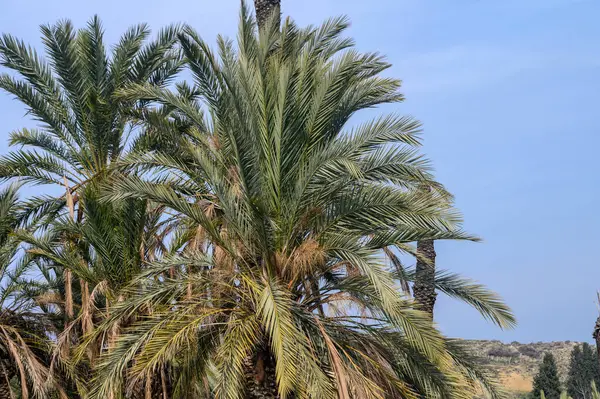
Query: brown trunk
(145, 389)
(6, 373)
(5, 392)
(424, 288)
(138, 391)
(596, 336)
(68, 276)
(154, 386)
(261, 381)
(68, 308)
(69, 294)
(163, 384)
(264, 10)
(86, 307)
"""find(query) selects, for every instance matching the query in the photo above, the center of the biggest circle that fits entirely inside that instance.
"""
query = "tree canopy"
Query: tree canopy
(583, 370)
(229, 236)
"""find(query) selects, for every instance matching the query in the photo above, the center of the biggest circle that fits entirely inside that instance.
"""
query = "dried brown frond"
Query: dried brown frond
(304, 260)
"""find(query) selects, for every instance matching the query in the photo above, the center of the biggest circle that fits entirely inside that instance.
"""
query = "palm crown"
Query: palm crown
(285, 285)
(82, 127)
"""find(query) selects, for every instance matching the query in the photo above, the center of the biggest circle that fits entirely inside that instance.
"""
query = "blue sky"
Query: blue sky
(507, 91)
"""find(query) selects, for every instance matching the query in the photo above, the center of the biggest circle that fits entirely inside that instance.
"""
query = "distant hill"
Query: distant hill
(517, 363)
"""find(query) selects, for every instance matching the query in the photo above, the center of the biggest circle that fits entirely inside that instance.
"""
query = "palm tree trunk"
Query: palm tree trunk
(264, 10)
(260, 377)
(68, 276)
(138, 391)
(5, 376)
(149, 388)
(424, 288)
(596, 336)
(5, 392)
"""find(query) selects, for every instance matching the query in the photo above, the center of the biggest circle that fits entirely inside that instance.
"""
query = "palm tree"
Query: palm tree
(83, 127)
(424, 285)
(83, 131)
(286, 292)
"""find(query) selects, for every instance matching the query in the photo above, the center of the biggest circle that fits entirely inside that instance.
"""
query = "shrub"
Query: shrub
(503, 352)
(529, 351)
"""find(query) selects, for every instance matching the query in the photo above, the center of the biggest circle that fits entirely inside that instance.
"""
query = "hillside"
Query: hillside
(518, 363)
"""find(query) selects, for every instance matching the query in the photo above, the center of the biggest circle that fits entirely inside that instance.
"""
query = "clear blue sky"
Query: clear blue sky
(508, 92)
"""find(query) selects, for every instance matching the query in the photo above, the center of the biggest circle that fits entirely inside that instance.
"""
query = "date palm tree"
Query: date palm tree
(424, 285)
(82, 126)
(82, 131)
(293, 211)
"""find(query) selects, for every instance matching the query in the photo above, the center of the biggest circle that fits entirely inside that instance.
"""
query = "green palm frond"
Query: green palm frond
(24, 344)
(487, 303)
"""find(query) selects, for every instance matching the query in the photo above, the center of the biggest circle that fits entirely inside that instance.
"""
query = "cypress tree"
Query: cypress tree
(547, 379)
(583, 369)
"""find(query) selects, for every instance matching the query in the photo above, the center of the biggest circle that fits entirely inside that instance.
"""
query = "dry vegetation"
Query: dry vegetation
(517, 363)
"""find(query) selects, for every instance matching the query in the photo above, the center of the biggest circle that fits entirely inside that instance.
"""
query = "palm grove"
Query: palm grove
(228, 236)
